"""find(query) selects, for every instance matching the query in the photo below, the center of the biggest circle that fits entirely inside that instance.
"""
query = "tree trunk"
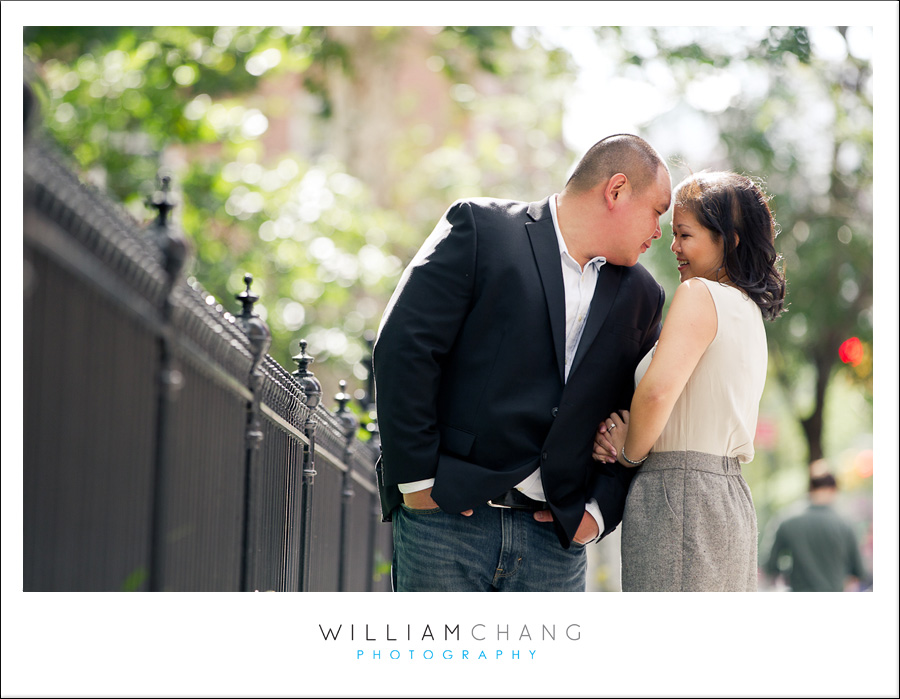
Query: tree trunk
(823, 361)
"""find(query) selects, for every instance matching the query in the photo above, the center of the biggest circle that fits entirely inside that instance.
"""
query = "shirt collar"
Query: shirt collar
(563, 248)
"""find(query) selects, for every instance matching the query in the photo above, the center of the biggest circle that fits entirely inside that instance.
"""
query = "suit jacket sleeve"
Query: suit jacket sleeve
(417, 331)
(610, 487)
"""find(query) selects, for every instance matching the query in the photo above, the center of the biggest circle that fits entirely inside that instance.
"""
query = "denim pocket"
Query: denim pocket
(429, 511)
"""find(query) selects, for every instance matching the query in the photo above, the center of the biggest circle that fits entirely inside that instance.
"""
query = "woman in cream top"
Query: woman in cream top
(689, 522)
(717, 410)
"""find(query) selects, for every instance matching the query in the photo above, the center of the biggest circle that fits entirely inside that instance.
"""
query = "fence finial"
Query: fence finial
(248, 299)
(173, 244)
(342, 398)
(310, 385)
(163, 200)
(255, 328)
(349, 421)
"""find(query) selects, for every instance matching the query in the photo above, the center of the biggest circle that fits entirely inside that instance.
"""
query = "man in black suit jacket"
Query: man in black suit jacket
(513, 332)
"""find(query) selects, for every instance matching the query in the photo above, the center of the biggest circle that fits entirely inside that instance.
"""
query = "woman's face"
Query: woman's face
(698, 251)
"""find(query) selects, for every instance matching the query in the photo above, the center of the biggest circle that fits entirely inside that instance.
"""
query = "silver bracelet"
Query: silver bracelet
(633, 463)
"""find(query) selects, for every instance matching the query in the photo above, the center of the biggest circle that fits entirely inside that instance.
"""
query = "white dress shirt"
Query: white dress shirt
(579, 292)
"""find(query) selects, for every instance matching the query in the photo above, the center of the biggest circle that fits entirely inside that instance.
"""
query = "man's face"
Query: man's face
(636, 219)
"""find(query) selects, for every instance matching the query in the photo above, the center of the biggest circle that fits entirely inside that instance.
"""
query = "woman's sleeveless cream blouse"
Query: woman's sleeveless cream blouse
(717, 411)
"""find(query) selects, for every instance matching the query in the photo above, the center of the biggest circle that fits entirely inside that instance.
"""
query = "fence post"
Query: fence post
(169, 378)
(349, 425)
(312, 394)
(260, 340)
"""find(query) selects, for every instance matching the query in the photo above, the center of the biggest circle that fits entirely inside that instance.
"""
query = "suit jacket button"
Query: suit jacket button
(544, 455)
(554, 412)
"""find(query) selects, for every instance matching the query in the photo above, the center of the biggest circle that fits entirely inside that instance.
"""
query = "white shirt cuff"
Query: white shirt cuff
(416, 486)
(593, 509)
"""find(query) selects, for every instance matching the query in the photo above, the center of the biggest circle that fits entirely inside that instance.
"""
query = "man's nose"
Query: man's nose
(658, 232)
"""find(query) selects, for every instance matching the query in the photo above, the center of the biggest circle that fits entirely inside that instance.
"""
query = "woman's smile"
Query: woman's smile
(698, 252)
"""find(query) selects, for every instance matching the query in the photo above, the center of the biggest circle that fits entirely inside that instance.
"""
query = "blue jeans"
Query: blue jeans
(494, 550)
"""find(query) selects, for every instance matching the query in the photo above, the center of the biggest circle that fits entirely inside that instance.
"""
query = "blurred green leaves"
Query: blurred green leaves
(793, 107)
(288, 166)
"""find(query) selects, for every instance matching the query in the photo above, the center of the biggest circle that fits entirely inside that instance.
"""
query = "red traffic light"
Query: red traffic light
(851, 351)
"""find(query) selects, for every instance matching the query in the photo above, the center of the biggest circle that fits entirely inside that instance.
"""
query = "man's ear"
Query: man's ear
(615, 187)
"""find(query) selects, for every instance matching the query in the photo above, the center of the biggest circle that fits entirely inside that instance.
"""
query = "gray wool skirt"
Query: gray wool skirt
(689, 526)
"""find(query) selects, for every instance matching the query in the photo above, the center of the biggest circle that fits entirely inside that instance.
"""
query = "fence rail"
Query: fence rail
(164, 449)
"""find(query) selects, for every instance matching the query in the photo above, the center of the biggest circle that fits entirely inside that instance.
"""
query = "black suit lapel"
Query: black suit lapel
(542, 235)
(605, 292)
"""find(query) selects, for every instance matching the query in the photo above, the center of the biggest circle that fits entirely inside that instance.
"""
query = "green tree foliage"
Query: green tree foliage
(796, 113)
(325, 238)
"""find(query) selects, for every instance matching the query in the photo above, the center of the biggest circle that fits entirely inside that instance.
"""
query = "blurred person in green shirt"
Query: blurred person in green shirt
(822, 548)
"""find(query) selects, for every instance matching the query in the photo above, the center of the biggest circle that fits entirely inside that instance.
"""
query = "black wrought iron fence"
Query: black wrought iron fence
(164, 449)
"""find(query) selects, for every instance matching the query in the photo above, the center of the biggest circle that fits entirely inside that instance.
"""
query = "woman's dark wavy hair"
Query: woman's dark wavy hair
(735, 208)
